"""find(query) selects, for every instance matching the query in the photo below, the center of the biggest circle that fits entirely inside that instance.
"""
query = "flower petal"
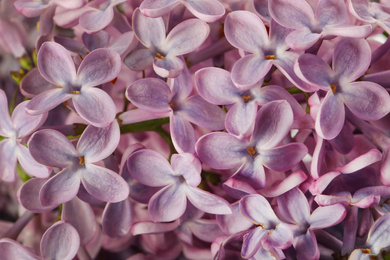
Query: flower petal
(183, 134)
(104, 184)
(139, 59)
(98, 67)
(257, 210)
(244, 30)
(253, 241)
(157, 8)
(96, 20)
(240, 119)
(331, 116)
(206, 10)
(208, 202)
(52, 148)
(150, 168)
(149, 31)
(302, 39)
(274, 158)
(8, 160)
(95, 106)
(294, 206)
(168, 204)
(378, 235)
(117, 218)
(11, 250)
(34, 84)
(186, 37)
(150, 94)
(28, 196)
(60, 188)
(29, 165)
(55, 64)
(6, 128)
(170, 67)
(98, 143)
(24, 123)
(367, 100)
(47, 100)
(324, 217)
(60, 241)
(296, 14)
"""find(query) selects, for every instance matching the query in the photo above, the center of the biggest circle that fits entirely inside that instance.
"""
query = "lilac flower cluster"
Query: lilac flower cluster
(194, 129)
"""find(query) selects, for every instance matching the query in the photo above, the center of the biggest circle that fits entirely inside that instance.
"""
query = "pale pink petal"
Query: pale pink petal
(96, 20)
(206, 10)
(6, 127)
(183, 134)
(24, 123)
(150, 31)
(8, 160)
(295, 14)
(157, 8)
(34, 84)
(324, 217)
(47, 100)
(274, 158)
(11, 250)
(29, 165)
(170, 67)
(139, 59)
(253, 241)
(28, 196)
(207, 202)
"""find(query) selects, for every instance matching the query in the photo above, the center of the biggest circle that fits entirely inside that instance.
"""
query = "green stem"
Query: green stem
(149, 125)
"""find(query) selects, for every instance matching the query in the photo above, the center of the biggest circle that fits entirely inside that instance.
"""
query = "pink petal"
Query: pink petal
(294, 14)
(95, 106)
(149, 31)
(206, 10)
(324, 217)
(183, 134)
(157, 8)
(34, 84)
(104, 184)
(55, 64)
(274, 158)
(96, 20)
(60, 241)
(29, 165)
(170, 67)
(47, 100)
(302, 39)
(96, 144)
(28, 196)
(12, 250)
(117, 218)
(6, 127)
(257, 210)
(139, 59)
(378, 235)
(240, 119)
(24, 123)
(208, 202)
(253, 241)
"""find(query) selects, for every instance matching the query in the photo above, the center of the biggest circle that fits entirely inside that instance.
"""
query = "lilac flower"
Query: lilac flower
(163, 51)
(14, 129)
(52, 148)
(179, 182)
(60, 241)
(269, 229)
(367, 100)
(329, 19)
(225, 151)
(93, 104)
(156, 96)
(206, 10)
(245, 31)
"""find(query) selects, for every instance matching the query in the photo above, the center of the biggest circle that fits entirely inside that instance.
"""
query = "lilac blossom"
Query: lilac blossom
(56, 66)
(163, 51)
(178, 183)
(208, 11)
(52, 148)
(367, 100)
(329, 19)
(262, 149)
(245, 31)
(16, 129)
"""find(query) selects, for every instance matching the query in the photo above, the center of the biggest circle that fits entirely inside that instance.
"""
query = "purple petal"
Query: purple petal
(95, 106)
(153, 228)
(331, 116)
(361, 161)
(208, 202)
(149, 31)
(206, 10)
(296, 14)
(253, 241)
(249, 70)
(240, 119)
(8, 160)
(29, 165)
(157, 8)
(367, 100)
(378, 235)
(150, 168)
(324, 217)
(34, 84)
(168, 204)
(291, 181)
(314, 70)
(104, 184)
(96, 20)
(24, 123)
(306, 246)
(52, 148)
(221, 150)
(201, 113)
(150, 94)
(188, 166)
(98, 67)
(302, 39)
(6, 127)
(186, 37)
(30, 8)
(274, 158)
(281, 237)
(273, 122)
(11, 250)
(183, 134)
(139, 59)
(235, 222)
(60, 241)
(60, 188)
(28, 196)
(98, 143)
(72, 45)
(117, 218)
(244, 30)
(351, 58)
(350, 31)
(55, 64)
(86, 225)
(257, 210)
(330, 12)
(170, 67)
(294, 206)
(47, 100)
(216, 86)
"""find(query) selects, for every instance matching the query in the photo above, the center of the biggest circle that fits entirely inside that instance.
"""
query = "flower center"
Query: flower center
(333, 87)
(82, 160)
(159, 56)
(366, 251)
(77, 92)
(270, 57)
(251, 150)
(246, 98)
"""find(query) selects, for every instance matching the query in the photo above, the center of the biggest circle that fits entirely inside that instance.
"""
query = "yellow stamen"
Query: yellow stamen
(333, 87)
(366, 251)
(82, 161)
(114, 81)
(246, 98)
(159, 56)
(76, 92)
(170, 104)
(270, 57)
(251, 150)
